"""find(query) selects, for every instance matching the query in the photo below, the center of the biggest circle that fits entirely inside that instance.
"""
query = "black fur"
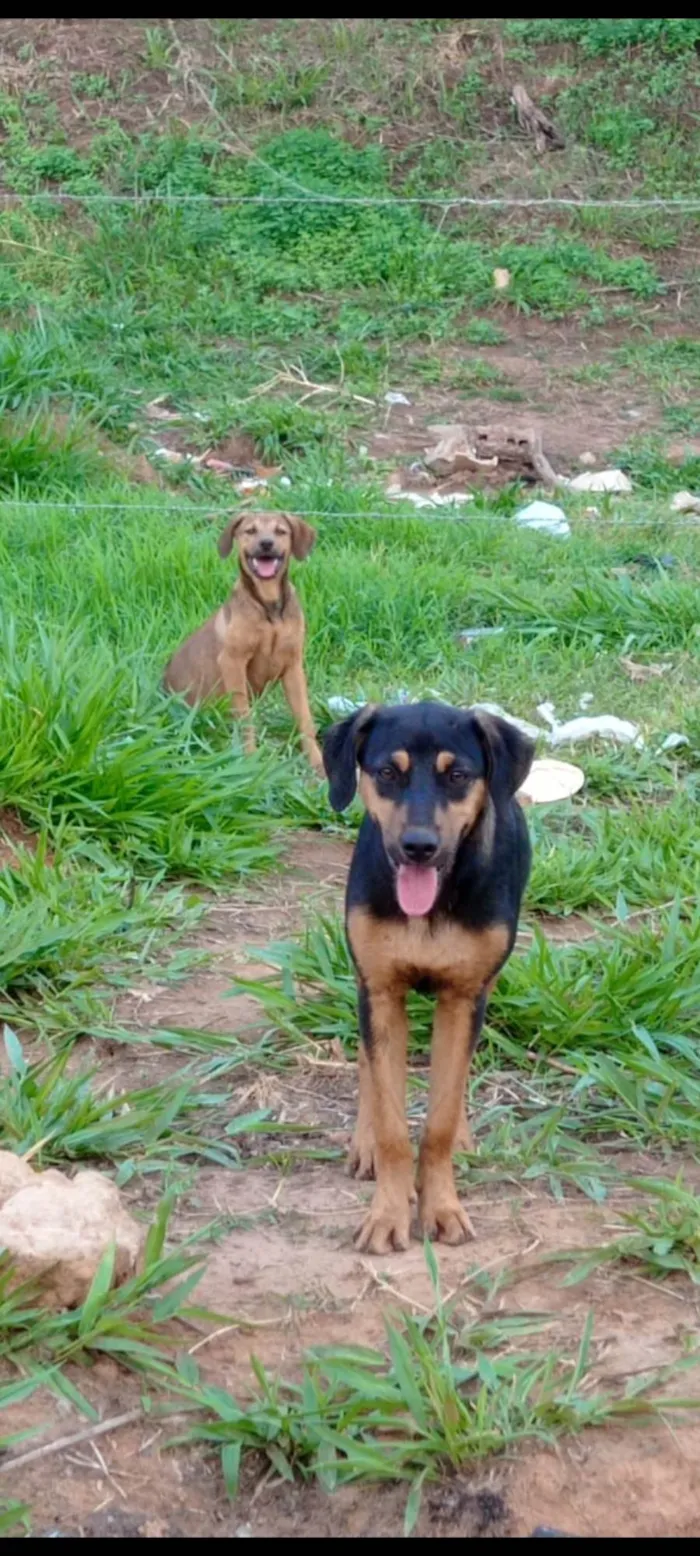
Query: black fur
(483, 886)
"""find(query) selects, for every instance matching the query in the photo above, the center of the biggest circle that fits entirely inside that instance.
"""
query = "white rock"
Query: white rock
(549, 781)
(394, 397)
(685, 502)
(601, 481)
(15, 1174)
(56, 1230)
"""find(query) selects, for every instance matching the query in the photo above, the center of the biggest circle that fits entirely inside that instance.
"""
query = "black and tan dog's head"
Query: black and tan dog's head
(265, 543)
(429, 775)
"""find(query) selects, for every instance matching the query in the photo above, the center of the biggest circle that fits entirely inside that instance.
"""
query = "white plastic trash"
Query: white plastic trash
(544, 516)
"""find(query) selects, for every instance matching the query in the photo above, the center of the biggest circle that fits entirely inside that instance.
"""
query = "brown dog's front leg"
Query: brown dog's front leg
(458, 1020)
(385, 1036)
(294, 683)
(234, 677)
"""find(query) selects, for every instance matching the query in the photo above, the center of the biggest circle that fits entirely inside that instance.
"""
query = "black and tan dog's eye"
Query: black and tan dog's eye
(458, 776)
(387, 773)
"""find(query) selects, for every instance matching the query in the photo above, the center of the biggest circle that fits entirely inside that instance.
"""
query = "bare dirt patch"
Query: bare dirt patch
(14, 836)
(283, 1270)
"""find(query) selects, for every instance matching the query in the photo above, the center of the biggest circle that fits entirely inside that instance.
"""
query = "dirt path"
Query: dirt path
(287, 1273)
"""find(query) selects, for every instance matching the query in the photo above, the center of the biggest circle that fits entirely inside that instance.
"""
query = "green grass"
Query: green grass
(138, 804)
(447, 1394)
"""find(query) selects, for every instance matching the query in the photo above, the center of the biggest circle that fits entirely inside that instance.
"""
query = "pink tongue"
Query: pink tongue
(416, 888)
(266, 569)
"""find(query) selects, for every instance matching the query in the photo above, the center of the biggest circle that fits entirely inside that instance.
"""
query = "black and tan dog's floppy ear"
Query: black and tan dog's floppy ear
(226, 539)
(303, 537)
(508, 753)
(341, 746)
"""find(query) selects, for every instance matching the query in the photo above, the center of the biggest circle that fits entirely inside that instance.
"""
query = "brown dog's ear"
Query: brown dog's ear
(508, 754)
(226, 539)
(303, 537)
(341, 749)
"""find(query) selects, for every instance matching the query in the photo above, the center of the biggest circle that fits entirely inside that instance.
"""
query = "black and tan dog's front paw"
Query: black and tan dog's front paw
(387, 1226)
(443, 1218)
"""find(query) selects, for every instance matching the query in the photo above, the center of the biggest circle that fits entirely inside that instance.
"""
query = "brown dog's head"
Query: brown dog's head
(265, 543)
(429, 776)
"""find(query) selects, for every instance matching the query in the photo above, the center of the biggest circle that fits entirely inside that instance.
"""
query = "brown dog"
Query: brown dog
(257, 637)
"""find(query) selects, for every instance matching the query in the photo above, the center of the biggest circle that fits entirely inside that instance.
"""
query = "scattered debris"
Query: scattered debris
(592, 513)
(673, 742)
(56, 1230)
(157, 411)
(544, 516)
(685, 502)
(218, 466)
(637, 672)
(531, 730)
(586, 459)
(173, 456)
(605, 726)
(343, 706)
(296, 378)
(534, 122)
(397, 493)
(601, 481)
(501, 278)
(549, 781)
(519, 455)
(455, 452)
(418, 472)
(585, 701)
(251, 484)
(470, 634)
(394, 397)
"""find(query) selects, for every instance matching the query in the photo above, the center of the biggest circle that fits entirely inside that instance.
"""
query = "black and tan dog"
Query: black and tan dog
(257, 637)
(433, 898)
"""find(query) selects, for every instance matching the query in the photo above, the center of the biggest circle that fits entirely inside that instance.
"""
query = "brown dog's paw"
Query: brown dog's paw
(387, 1227)
(316, 760)
(444, 1220)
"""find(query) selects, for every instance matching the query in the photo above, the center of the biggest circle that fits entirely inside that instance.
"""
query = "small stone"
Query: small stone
(15, 1174)
(55, 1231)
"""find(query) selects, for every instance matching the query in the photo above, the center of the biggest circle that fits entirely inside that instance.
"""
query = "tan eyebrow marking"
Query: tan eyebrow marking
(444, 760)
(402, 760)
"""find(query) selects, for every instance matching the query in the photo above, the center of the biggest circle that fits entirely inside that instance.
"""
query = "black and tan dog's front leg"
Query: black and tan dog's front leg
(294, 683)
(381, 1140)
(458, 1022)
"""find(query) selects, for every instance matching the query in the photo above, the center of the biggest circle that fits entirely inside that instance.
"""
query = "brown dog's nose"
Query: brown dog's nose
(266, 544)
(420, 844)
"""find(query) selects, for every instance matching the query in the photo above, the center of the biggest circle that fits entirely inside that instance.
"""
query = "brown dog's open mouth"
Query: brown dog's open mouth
(266, 566)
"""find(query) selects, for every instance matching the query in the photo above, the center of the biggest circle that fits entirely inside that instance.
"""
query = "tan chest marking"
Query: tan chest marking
(391, 954)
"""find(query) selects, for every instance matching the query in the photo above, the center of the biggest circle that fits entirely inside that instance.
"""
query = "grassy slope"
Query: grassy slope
(105, 308)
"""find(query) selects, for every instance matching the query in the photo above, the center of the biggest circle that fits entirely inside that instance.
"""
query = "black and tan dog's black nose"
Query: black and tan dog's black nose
(419, 845)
